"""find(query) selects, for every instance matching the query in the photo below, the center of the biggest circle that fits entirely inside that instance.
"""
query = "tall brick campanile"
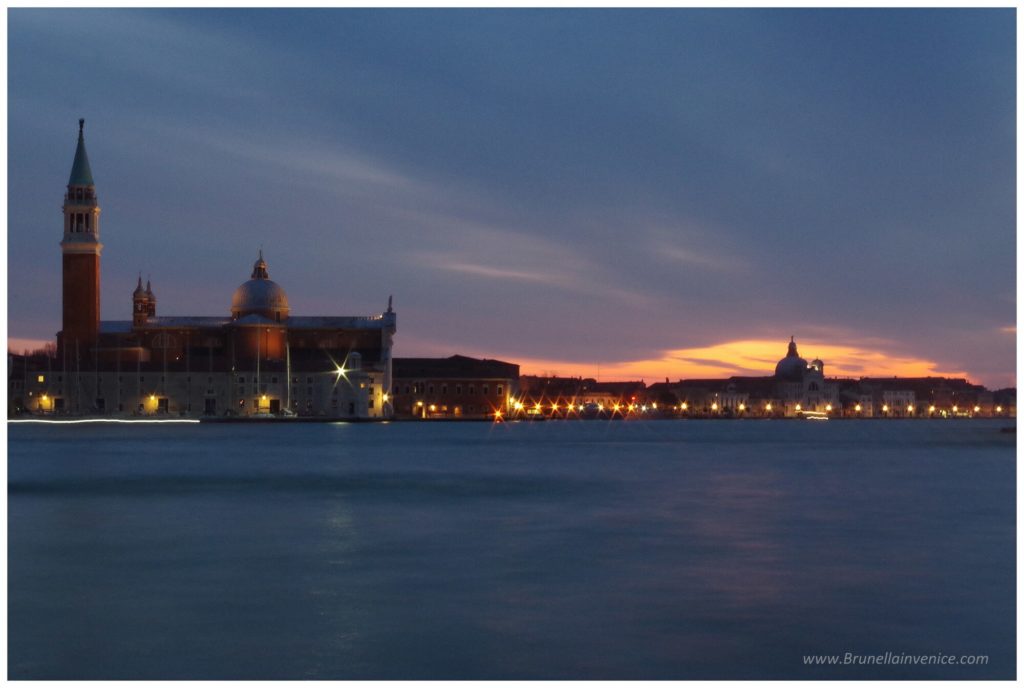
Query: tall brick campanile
(81, 256)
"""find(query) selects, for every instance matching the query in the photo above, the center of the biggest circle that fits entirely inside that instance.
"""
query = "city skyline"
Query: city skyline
(678, 210)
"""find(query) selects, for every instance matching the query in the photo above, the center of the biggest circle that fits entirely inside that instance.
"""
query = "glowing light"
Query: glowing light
(152, 397)
(885, 408)
(600, 407)
(433, 407)
(419, 403)
(828, 408)
(910, 408)
(518, 406)
(263, 398)
(41, 378)
(615, 407)
(714, 406)
(554, 407)
(931, 409)
(955, 409)
(767, 407)
(654, 405)
(999, 409)
(743, 407)
(45, 398)
(799, 408)
(684, 406)
(386, 397)
(977, 408)
(856, 408)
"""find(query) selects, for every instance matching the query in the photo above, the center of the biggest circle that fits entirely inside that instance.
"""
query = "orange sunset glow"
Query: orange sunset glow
(747, 357)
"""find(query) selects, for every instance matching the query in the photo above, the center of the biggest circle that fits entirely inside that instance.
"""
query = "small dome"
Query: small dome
(792, 367)
(260, 295)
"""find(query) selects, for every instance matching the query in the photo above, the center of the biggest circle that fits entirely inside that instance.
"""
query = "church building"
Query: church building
(258, 359)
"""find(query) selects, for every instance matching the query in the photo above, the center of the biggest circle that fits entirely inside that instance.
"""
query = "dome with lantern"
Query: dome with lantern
(260, 296)
(792, 367)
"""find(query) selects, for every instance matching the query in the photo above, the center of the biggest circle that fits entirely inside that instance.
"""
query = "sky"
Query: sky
(614, 193)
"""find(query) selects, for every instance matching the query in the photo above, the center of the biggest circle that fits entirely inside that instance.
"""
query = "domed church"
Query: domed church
(798, 382)
(257, 360)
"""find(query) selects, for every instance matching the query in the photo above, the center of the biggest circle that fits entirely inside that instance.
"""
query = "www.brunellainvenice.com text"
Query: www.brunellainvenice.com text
(894, 658)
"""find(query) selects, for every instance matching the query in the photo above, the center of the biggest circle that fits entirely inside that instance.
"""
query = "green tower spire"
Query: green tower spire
(81, 173)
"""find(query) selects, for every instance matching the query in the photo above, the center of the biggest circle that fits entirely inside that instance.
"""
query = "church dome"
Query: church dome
(792, 367)
(260, 295)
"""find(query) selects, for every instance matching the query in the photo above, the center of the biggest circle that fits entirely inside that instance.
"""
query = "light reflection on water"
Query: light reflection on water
(553, 550)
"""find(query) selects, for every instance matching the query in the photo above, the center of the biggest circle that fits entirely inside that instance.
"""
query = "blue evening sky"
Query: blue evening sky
(565, 189)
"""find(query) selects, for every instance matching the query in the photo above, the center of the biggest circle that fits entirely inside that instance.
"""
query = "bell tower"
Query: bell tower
(80, 249)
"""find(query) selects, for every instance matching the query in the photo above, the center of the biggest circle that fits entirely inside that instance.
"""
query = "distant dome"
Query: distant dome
(792, 367)
(260, 295)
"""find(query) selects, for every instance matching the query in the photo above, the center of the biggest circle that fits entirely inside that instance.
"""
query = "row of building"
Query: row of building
(460, 387)
(259, 359)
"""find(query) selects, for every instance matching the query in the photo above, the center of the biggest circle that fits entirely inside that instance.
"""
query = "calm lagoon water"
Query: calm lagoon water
(625, 550)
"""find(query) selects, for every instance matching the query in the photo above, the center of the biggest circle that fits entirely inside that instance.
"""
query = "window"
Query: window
(458, 390)
(241, 380)
(273, 380)
(309, 380)
(407, 389)
(472, 389)
(369, 404)
(486, 389)
(430, 389)
(497, 390)
(295, 380)
(241, 403)
(444, 390)
(41, 378)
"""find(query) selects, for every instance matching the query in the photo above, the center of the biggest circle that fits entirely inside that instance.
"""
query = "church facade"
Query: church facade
(258, 359)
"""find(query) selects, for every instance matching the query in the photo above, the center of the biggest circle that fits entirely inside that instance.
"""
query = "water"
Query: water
(626, 550)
